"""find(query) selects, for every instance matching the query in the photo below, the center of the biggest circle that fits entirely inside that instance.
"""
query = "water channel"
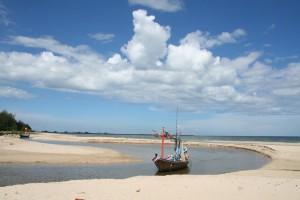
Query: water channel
(204, 161)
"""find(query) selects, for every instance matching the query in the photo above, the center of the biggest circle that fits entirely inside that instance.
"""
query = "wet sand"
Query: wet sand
(280, 179)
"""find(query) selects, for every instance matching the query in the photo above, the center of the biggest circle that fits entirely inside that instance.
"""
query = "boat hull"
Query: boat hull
(24, 135)
(164, 165)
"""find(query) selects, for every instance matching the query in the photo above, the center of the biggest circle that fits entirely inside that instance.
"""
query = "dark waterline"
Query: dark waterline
(204, 161)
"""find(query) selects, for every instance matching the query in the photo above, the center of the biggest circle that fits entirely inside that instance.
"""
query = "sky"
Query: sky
(231, 67)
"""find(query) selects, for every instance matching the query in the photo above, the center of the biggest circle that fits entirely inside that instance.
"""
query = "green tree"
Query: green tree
(21, 125)
(9, 123)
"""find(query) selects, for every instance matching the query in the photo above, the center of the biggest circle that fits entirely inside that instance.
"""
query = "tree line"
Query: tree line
(8, 122)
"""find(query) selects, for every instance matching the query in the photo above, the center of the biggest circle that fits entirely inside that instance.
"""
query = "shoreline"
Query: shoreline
(279, 179)
(14, 150)
(258, 147)
(20, 152)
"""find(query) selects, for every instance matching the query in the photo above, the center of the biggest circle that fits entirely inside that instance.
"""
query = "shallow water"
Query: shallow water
(204, 161)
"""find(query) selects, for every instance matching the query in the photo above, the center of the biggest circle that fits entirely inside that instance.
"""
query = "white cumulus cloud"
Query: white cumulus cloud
(149, 42)
(205, 40)
(164, 5)
(151, 70)
(103, 37)
(188, 56)
(11, 92)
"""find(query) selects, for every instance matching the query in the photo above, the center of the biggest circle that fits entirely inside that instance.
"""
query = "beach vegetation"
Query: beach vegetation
(8, 123)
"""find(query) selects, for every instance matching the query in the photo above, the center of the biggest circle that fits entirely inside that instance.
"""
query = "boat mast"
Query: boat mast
(176, 130)
(163, 142)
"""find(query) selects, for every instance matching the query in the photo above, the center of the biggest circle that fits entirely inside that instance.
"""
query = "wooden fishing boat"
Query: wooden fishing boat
(164, 165)
(179, 161)
(24, 135)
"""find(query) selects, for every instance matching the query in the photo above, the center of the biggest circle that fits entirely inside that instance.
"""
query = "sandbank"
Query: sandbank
(279, 179)
(22, 151)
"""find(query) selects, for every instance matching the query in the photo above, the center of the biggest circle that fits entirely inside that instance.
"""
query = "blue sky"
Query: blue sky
(232, 67)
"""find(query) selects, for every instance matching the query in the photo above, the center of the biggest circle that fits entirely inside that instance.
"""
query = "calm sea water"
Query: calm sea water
(204, 161)
(290, 139)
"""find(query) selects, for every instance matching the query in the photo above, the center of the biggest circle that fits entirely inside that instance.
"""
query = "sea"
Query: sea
(200, 138)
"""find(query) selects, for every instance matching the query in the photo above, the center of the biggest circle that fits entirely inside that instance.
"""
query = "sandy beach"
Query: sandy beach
(15, 150)
(279, 179)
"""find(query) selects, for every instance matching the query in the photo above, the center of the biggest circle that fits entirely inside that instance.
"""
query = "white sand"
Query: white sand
(15, 150)
(280, 179)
